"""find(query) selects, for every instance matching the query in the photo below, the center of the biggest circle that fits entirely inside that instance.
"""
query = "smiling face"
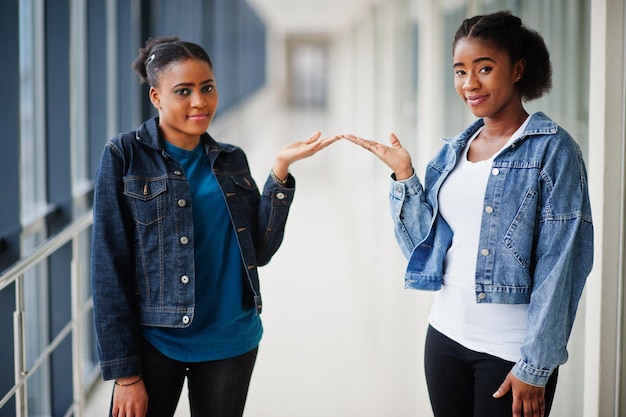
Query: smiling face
(485, 77)
(186, 98)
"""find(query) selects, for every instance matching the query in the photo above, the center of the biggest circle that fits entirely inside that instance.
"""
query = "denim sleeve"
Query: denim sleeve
(112, 271)
(563, 260)
(272, 217)
(411, 214)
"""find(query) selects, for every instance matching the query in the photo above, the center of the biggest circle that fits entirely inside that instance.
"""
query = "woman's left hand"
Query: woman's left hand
(528, 400)
(300, 150)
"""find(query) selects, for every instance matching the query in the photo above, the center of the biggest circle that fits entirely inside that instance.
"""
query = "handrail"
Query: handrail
(15, 274)
(44, 250)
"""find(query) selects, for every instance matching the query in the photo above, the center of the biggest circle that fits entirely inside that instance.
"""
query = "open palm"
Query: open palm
(395, 156)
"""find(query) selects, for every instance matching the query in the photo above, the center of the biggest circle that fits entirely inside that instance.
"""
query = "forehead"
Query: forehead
(467, 50)
(186, 71)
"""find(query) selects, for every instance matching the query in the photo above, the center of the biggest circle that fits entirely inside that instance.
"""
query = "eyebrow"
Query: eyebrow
(210, 80)
(475, 61)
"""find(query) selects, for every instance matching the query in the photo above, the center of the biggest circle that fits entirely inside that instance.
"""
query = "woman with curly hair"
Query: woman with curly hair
(501, 228)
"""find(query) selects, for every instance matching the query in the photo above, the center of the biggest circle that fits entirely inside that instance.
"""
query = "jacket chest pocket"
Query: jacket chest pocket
(146, 198)
(246, 190)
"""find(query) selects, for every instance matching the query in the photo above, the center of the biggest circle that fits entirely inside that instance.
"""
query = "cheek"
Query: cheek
(458, 86)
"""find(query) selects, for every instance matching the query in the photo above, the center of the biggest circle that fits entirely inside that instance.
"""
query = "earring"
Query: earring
(518, 78)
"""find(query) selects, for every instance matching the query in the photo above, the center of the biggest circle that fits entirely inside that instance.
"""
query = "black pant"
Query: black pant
(216, 388)
(461, 382)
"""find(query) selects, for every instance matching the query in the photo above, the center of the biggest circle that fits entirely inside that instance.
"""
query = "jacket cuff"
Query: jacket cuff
(531, 375)
(120, 368)
(405, 188)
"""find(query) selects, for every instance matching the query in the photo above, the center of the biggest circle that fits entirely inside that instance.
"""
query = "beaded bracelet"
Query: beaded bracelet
(276, 179)
(129, 384)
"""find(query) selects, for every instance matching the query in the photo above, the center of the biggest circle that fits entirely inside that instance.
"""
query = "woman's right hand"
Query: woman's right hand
(395, 156)
(130, 400)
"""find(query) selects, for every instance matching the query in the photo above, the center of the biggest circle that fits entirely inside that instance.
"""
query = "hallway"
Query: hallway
(342, 336)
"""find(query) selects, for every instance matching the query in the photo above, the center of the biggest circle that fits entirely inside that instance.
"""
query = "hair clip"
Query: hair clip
(150, 59)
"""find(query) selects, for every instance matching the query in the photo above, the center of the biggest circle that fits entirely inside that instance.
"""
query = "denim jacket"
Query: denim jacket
(143, 238)
(536, 239)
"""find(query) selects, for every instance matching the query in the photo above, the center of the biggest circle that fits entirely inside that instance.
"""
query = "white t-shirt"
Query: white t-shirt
(496, 329)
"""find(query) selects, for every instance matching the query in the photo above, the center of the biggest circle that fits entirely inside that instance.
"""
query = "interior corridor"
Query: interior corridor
(342, 336)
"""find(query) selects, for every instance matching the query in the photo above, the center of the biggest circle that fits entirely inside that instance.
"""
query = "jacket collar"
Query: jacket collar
(150, 135)
(539, 124)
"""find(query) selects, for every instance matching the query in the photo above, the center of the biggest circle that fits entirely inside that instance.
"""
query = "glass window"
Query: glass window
(33, 204)
(32, 128)
(36, 330)
(78, 98)
(308, 61)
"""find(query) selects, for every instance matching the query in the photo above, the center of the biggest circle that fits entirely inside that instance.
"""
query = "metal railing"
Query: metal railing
(74, 328)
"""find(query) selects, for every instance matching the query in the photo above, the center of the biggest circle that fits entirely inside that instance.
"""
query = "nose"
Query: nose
(471, 81)
(198, 100)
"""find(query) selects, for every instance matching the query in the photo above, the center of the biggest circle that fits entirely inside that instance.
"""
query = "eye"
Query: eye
(183, 92)
(459, 72)
(208, 88)
(486, 69)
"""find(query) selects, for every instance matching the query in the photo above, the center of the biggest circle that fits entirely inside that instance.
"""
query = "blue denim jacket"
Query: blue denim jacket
(536, 240)
(143, 250)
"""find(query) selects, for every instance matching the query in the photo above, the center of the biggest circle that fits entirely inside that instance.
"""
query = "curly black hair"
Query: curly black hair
(507, 33)
(159, 53)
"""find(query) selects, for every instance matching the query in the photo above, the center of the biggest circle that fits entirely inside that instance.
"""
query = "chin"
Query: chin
(478, 112)
(199, 129)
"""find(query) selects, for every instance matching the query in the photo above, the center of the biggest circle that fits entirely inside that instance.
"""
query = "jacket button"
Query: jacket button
(488, 209)
(484, 252)
(280, 196)
(184, 240)
(482, 296)
(182, 202)
(177, 172)
(185, 319)
(495, 171)
(184, 279)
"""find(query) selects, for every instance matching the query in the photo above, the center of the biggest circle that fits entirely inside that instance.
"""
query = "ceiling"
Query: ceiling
(309, 16)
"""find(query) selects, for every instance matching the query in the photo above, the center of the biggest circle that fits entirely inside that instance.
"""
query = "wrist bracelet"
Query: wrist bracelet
(129, 384)
(278, 180)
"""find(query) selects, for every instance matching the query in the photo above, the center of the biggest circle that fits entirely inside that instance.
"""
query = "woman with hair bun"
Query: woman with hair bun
(501, 228)
(179, 231)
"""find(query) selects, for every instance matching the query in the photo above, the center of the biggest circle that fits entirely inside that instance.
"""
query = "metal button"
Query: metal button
(186, 320)
(280, 196)
(484, 252)
(495, 171)
(482, 296)
(488, 209)
(184, 240)
(184, 279)
(177, 172)
(182, 202)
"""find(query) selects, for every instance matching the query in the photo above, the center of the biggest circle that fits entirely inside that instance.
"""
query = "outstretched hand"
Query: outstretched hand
(299, 150)
(528, 400)
(395, 156)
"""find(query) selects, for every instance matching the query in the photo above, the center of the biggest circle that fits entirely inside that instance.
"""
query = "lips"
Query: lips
(198, 117)
(475, 100)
